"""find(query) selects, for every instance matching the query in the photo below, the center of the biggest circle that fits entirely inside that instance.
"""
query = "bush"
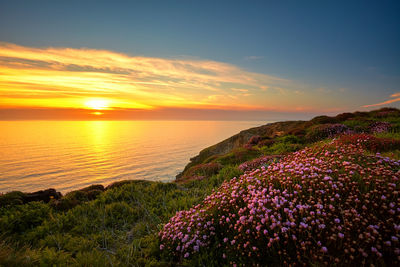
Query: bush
(11, 199)
(370, 142)
(258, 162)
(315, 207)
(323, 120)
(238, 156)
(379, 127)
(319, 132)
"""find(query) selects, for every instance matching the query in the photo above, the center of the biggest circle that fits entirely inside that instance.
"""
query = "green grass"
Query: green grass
(119, 227)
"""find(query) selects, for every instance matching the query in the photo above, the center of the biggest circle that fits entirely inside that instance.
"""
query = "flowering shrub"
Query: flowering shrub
(258, 162)
(370, 142)
(379, 127)
(330, 204)
(254, 140)
(319, 132)
(387, 112)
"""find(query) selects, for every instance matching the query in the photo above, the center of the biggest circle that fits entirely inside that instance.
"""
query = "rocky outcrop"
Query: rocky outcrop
(270, 130)
(42, 195)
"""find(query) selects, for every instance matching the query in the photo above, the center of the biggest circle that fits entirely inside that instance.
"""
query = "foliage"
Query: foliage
(257, 163)
(316, 206)
(319, 132)
(238, 156)
(119, 225)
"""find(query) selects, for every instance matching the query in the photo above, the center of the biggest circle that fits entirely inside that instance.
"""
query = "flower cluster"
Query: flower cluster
(254, 140)
(329, 204)
(379, 127)
(258, 162)
(369, 142)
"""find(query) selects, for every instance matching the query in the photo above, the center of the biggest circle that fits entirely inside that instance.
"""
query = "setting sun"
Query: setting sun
(97, 104)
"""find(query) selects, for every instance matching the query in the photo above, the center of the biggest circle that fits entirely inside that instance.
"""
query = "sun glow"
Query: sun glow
(97, 104)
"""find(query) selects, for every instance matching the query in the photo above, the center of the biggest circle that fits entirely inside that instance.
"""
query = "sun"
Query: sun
(97, 103)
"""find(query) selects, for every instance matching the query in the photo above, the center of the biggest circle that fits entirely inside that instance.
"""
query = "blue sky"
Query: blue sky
(347, 46)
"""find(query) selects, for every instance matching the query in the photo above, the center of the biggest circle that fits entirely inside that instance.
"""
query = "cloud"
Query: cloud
(40, 75)
(395, 96)
(54, 77)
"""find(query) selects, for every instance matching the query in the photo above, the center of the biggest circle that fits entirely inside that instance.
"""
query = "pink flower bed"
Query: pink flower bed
(258, 162)
(380, 127)
(329, 205)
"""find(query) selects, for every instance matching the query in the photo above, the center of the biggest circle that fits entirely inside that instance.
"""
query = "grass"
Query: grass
(120, 226)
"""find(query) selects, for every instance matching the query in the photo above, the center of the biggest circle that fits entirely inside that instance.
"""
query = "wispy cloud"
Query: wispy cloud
(395, 98)
(41, 74)
(68, 77)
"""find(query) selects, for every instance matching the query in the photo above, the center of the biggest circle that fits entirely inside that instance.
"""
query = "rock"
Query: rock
(42, 195)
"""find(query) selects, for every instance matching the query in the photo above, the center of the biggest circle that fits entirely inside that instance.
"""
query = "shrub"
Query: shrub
(280, 148)
(323, 120)
(327, 205)
(254, 140)
(11, 199)
(379, 127)
(258, 162)
(238, 156)
(344, 116)
(370, 142)
(319, 132)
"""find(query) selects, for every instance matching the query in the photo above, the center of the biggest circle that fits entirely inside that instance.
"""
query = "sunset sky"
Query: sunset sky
(259, 60)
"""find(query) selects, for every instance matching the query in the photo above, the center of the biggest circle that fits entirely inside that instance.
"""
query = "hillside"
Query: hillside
(318, 192)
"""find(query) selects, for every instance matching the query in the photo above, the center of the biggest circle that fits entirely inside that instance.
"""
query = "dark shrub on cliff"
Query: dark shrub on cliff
(11, 198)
(344, 116)
(319, 132)
(323, 120)
(201, 171)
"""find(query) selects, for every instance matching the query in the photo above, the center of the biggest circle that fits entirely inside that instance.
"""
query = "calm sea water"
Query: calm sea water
(68, 155)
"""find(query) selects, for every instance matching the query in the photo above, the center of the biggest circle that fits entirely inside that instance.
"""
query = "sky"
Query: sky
(245, 60)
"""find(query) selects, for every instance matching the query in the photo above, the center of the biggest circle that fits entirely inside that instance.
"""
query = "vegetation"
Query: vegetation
(320, 192)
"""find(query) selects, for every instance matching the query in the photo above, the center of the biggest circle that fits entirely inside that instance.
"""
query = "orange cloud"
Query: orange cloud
(47, 73)
(396, 99)
(69, 78)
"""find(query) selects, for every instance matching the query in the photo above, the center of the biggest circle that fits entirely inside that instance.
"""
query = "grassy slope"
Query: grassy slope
(119, 227)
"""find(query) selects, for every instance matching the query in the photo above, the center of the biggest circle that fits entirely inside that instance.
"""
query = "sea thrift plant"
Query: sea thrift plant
(331, 204)
(380, 127)
(370, 142)
(258, 162)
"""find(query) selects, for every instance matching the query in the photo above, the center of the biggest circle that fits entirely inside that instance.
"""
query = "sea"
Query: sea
(70, 155)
